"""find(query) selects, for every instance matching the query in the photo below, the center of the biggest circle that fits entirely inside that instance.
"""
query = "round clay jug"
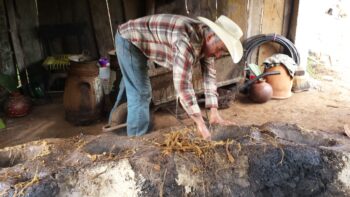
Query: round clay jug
(17, 105)
(260, 92)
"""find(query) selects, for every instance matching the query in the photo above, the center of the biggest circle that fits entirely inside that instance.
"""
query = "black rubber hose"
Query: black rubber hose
(255, 41)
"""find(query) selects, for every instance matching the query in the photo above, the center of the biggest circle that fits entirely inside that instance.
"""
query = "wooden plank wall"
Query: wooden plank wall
(254, 17)
(77, 12)
(269, 16)
(102, 17)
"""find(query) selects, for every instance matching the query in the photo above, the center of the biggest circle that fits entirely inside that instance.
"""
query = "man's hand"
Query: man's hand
(203, 130)
(215, 118)
(201, 127)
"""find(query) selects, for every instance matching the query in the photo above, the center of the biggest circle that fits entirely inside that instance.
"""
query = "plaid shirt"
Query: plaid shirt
(175, 42)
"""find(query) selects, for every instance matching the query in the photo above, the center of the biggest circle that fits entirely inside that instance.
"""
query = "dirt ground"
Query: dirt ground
(326, 107)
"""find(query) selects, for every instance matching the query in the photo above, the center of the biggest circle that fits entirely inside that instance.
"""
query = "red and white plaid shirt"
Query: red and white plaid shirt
(175, 42)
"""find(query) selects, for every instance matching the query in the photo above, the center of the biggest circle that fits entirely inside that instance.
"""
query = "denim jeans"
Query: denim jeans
(136, 84)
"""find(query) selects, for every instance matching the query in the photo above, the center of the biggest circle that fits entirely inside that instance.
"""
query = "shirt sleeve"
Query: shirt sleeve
(182, 76)
(209, 82)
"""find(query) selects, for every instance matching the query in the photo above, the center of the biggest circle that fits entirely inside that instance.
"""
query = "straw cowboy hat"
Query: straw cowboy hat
(229, 32)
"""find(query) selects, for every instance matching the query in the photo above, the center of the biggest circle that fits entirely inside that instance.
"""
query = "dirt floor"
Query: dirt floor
(326, 107)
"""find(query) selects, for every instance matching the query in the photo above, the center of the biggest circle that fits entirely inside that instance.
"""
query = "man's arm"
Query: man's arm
(209, 82)
(210, 91)
(182, 76)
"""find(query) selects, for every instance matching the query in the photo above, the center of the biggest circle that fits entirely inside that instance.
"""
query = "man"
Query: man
(178, 43)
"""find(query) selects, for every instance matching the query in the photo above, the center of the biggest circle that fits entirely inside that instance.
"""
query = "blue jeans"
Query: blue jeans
(136, 84)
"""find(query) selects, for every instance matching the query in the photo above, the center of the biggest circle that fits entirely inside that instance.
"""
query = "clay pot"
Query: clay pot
(17, 105)
(260, 92)
(281, 84)
(83, 95)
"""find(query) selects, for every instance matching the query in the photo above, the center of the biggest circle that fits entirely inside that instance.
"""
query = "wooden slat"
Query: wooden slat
(82, 15)
(238, 12)
(293, 21)
(49, 12)
(134, 9)
(273, 16)
(6, 62)
(68, 9)
(254, 27)
(116, 9)
(287, 14)
(255, 12)
(27, 23)
(19, 56)
(150, 7)
(76, 13)
(102, 28)
(206, 8)
(272, 23)
(172, 7)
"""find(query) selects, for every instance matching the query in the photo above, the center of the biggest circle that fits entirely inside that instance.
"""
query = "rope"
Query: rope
(255, 41)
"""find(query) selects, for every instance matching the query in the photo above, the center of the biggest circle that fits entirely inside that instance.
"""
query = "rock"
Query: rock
(274, 159)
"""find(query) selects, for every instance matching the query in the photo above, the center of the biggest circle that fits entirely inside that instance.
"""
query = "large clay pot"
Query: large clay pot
(17, 105)
(83, 95)
(260, 92)
(281, 84)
